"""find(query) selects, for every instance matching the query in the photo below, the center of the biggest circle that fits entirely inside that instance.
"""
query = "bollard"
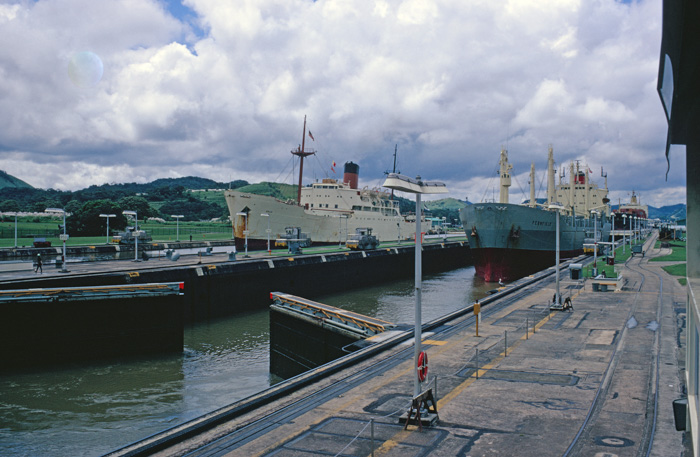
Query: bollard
(534, 327)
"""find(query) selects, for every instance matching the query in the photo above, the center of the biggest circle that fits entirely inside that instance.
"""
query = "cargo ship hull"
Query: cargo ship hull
(510, 241)
(324, 226)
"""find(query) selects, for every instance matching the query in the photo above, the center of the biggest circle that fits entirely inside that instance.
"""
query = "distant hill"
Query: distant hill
(7, 180)
(271, 189)
(667, 212)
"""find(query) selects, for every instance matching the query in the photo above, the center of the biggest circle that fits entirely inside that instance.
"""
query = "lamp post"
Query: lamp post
(245, 230)
(340, 231)
(63, 237)
(269, 252)
(612, 232)
(631, 234)
(624, 233)
(557, 295)
(136, 234)
(107, 216)
(595, 242)
(416, 186)
(177, 227)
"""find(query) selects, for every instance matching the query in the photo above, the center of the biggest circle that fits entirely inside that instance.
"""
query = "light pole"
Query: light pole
(557, 295)
(416, 186)
(269, 252)
(631, 234)
(398, 226)
(245, 230)
(340, 231)
(177, 227)
(624, 232)
(612, 218)
(63, 237)
(595, 242)
(107, 216)
(136, 232)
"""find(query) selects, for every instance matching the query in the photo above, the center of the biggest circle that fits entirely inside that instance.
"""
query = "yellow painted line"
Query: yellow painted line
(481, 371)
(434, 342)
(394, 441)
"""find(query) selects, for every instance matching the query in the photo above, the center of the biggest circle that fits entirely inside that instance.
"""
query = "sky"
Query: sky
(114, 91)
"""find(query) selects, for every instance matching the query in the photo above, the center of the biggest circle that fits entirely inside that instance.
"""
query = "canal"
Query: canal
(89, 410)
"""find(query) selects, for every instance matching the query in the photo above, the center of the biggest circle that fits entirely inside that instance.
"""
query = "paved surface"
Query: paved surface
(10, 271)
(577, 383)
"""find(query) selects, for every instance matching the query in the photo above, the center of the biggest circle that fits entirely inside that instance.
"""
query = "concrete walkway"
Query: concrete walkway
(576, 383)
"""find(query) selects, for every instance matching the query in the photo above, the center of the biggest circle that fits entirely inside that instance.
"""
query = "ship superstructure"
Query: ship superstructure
(328, 211)
(509, 241)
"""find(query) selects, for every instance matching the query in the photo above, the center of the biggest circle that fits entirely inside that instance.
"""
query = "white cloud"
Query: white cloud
(448, 81)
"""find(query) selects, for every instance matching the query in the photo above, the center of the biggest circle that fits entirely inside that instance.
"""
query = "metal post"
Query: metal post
(15, 229)
(595, 243)
(371, 428)
(136, 236)
(557, 297)
(477, 363)
(418, 276)
(612, 218)
(266, 215)
(63, 264)
(630, 234)
(624, 240)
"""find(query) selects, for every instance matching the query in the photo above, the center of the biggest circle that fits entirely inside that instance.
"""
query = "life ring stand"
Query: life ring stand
(422, 366)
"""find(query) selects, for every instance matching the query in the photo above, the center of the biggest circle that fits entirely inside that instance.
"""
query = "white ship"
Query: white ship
(328, 211)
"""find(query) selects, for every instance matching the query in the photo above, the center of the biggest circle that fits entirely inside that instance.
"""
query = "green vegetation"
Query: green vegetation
(677, 269)
(678, 254)
(7, 180)
(279, 191)
(678, 249)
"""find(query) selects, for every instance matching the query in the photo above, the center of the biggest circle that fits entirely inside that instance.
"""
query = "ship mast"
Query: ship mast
(572, 183)
(505, 175)
(532, 185)
(302, 152)
(396, 147)
(550, 176)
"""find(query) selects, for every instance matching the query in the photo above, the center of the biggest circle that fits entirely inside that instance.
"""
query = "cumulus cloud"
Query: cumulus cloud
(222, 91)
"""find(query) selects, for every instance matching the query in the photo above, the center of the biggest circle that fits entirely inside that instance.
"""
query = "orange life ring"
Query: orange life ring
(422, 366)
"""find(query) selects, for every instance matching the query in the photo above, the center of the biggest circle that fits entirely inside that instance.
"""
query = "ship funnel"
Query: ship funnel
(351, 174)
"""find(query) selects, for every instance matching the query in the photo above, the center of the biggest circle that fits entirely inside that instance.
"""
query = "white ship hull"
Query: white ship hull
(323, 225)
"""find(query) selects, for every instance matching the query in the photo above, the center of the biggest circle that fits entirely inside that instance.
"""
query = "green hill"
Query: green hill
(277, 190)
(7, 180)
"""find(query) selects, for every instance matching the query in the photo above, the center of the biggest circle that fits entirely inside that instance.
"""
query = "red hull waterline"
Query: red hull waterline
(493, 264)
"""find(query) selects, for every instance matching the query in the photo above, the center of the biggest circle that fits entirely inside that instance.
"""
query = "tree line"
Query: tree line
(86, 205)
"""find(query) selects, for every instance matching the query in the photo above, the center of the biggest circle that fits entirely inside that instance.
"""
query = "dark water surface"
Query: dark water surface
(90, 410)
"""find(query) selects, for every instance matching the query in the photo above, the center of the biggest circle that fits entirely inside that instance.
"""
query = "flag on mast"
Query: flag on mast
(311, 136)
